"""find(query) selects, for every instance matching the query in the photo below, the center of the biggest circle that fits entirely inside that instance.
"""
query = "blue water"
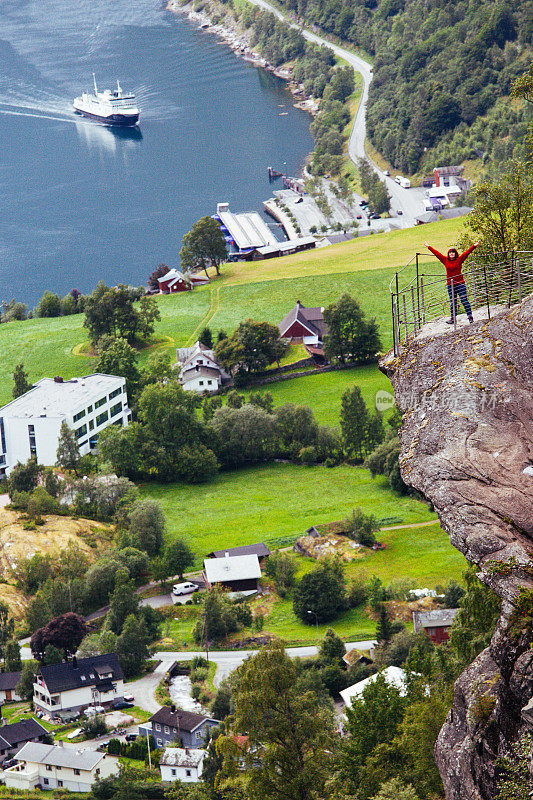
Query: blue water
(81, 202)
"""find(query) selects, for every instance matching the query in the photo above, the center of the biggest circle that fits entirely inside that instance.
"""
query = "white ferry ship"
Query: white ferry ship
(110, 107)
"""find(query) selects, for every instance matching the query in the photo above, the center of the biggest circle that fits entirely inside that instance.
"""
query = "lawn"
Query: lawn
(263, 290)
(421, 553)
(323, 392)
(273, 502)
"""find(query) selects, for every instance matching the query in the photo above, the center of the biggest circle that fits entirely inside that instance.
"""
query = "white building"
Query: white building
(395, 676)
(181, 764)
(30, 425)
(64, 690)
(50, 767)
(199, 372)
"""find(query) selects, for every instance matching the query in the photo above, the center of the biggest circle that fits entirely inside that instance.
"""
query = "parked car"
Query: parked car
(184, 588)
(363, 203)
(119, 704)
(375, 216)
(129, 697)
(130, 737)
(400, 212)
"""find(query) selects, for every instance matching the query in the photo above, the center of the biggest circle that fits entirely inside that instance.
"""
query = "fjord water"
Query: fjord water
(81, 202)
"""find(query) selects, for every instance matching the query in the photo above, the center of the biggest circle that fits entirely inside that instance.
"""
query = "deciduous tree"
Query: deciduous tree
(322, 592)
(68, 450)
(64, 632)
(204, 246)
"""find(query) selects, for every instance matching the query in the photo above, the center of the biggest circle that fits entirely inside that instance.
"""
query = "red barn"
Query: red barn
(435, 623)
(303, 325)
(175, 281)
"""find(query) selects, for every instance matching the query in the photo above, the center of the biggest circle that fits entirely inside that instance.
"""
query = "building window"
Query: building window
(115, 393)
(158, 727)
(78, 416)
(2, 435)
(76, 772)
(90, 408)
(46, 781)
(188, 773)
(81, 431)
(33, 445)
(209, 383)
(58, 768)
(159, 742)
(172, 771)
(101, 418)
(60, 783)
(91, 424)
(200, 383)
(116, 409)
(100, 402)
(48, 768)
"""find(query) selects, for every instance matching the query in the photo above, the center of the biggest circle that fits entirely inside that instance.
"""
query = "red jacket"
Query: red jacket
(453, 267)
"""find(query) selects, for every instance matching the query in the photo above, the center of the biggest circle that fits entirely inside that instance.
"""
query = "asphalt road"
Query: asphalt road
(409, 201)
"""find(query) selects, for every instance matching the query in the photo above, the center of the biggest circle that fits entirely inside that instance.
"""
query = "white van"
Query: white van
(184, 588)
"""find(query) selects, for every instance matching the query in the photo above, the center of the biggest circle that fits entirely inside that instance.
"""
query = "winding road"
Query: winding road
(408, 201)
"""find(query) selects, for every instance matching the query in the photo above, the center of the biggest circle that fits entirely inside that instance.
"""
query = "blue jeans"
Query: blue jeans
(459, 289)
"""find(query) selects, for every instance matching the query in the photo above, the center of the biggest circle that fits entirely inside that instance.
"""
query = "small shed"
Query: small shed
(435, 623)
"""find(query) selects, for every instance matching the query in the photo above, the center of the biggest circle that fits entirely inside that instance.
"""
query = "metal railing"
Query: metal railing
(419, 292)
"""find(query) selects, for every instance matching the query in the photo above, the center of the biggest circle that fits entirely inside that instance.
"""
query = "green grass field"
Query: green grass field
(274, 501)
(323, 392)
(263, 290)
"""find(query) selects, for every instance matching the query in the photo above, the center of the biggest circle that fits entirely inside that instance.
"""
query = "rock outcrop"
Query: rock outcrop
(467, 444)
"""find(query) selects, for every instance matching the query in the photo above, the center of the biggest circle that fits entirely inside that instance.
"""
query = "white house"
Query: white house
(181, 764)
(199, 372)
(63, 690)
(395, 676)
(236, 573)
(50, 767)
(30, 425)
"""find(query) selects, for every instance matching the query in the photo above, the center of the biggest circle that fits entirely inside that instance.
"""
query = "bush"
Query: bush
(322, 592)
(198, 675)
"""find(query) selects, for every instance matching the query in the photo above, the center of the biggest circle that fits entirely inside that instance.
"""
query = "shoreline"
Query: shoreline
(239, 41)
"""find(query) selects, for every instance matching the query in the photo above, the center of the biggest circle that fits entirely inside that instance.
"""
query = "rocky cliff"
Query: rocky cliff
(467, 444)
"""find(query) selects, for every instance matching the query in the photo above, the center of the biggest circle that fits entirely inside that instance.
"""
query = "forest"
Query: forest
(440, 70)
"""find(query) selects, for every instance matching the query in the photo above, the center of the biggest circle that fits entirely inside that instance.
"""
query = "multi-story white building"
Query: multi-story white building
(181, 764)
(30, 425)
(50, 767)
(64, 690)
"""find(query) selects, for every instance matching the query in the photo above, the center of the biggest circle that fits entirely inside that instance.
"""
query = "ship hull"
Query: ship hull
(125, 120)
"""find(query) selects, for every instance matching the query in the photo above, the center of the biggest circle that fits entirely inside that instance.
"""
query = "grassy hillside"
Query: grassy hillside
(262, 290)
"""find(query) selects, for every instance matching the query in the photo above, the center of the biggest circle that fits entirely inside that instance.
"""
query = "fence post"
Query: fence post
(486, 289)
(415, 326)
(394, 343)
(405, 317)
(518, 280)
(454, 308)
(474, 285)
(423, 300)
(417, 291)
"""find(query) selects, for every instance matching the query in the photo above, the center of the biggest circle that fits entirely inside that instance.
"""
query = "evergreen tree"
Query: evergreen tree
(25, 685)
(384, 628)
(322, 592)
(332, 649)
(68, 450)
(12, 660)
(354, 422)
(52, 655)
(206, 337)
(20, 380)
(122, 603)
(132, 646)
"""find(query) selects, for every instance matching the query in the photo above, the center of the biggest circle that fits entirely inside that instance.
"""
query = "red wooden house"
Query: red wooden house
(175, 281)
(435, 623)
(303, 325)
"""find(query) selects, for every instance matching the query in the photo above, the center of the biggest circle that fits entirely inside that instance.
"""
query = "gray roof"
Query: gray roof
(181, 757)
(59, 756)
(232, 568)
(437, 618)
(178, 718)
(22, 731)
(260, 549)
(311, 318)
(9, 680)
(90, 671)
